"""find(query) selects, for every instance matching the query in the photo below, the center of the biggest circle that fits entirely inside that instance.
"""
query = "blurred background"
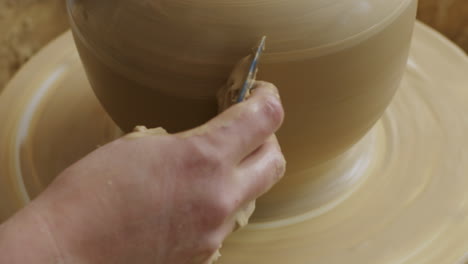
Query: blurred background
(27, 25)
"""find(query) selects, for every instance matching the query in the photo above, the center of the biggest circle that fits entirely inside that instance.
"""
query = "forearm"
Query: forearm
(61, 226)
(26, 238)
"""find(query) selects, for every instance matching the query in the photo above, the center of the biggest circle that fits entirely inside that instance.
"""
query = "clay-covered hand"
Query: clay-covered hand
(151, 197)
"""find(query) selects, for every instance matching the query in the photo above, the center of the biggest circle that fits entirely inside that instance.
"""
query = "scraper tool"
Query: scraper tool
(250, 79)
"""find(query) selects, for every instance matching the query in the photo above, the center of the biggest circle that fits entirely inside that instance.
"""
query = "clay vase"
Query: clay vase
(337, 63)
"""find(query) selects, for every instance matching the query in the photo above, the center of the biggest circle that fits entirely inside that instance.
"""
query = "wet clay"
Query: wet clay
(229, 93)
(159, 64)
(406, 203)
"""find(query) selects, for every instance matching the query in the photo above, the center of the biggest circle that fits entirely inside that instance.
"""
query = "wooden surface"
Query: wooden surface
(27, 25)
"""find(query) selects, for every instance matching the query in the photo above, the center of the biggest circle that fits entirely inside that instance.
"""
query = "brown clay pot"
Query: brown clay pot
(337, 63)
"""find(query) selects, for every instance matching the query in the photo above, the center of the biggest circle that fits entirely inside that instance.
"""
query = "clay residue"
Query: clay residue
(229, 93)
(142, 131)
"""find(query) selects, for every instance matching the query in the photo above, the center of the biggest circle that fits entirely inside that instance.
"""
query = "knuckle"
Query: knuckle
(272, 109)
(281, 166)
(212, 159)
(203, 156)
(213, 244)
(278, 165)
(208, 247)
(224, 206)
(218, 211)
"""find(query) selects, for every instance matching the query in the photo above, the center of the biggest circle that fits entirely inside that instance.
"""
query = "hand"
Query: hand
(151, 197)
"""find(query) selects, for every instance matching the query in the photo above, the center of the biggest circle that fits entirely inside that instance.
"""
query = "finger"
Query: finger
(261, 170)
(242, 128)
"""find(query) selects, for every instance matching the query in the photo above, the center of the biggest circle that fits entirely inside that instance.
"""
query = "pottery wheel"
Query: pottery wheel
(410, 204)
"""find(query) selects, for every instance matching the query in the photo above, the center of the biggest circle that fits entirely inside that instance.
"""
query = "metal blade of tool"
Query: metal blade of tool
(250, 79)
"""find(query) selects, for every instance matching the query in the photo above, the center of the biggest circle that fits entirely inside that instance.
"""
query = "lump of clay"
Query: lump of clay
(229, 92)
